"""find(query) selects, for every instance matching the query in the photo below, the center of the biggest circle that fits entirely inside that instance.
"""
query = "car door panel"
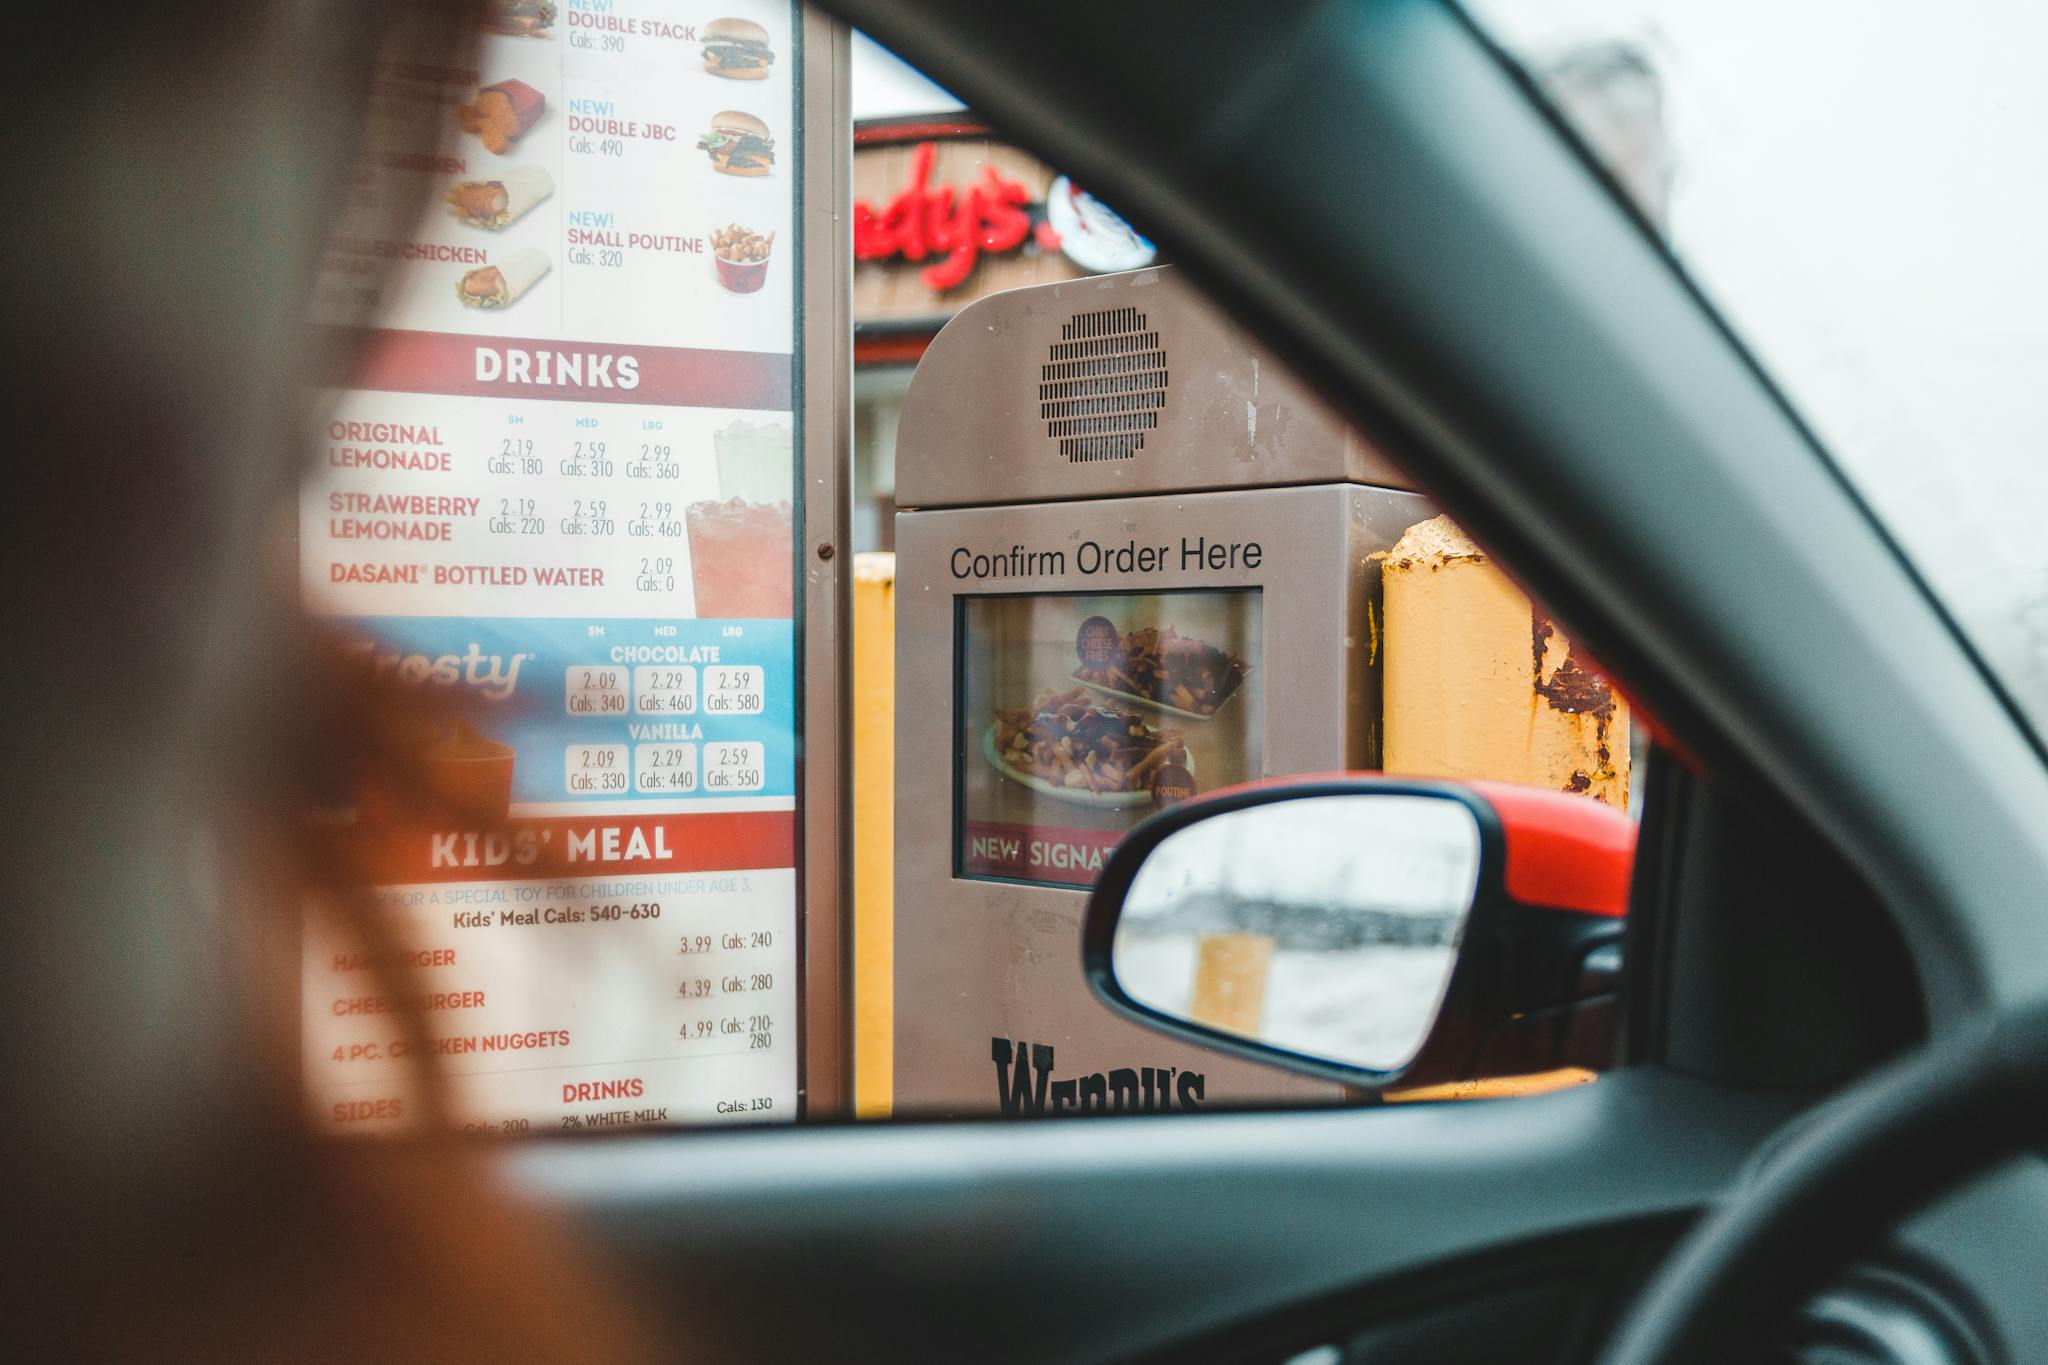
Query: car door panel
(1103, 1239)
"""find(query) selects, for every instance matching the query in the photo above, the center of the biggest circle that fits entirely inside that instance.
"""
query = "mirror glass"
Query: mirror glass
(1323, 925)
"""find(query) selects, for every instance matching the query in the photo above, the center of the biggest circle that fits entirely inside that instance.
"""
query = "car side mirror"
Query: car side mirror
(1371, 930)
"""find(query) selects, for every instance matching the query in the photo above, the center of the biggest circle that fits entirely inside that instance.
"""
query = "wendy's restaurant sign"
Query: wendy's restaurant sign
(945, 214)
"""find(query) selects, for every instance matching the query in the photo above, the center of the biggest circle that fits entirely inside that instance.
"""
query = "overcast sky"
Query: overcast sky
(1863, 188)
(885, 86)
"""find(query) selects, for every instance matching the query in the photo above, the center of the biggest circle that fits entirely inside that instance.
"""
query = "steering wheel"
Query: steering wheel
(1835, 1182)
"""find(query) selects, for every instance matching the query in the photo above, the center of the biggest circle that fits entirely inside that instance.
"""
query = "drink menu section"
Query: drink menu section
(556, 489)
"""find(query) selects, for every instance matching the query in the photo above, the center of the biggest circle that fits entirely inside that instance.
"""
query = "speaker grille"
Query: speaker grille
(1103, 385)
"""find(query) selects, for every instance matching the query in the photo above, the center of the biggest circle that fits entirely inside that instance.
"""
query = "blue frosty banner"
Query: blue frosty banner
(608, 710)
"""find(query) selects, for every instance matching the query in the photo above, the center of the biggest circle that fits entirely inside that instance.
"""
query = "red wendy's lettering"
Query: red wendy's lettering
(924, 219)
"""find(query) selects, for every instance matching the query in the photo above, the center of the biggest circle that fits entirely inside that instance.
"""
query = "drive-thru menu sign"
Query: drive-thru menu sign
(561, 483)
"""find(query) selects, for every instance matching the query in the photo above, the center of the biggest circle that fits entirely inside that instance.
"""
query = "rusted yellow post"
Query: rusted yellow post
(874, 833)
(1481, 684)
(1230, 982)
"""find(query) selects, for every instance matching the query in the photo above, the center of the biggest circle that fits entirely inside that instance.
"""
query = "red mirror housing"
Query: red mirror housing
(1563, 852)
(1536, 983)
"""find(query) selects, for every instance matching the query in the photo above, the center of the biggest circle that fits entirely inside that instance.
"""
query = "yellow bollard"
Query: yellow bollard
(1230, 982)
(1495, 1087)
(1479, 683)
(874, 834)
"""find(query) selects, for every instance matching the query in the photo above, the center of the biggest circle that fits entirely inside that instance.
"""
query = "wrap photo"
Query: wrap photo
(500, 284)
(501, 201)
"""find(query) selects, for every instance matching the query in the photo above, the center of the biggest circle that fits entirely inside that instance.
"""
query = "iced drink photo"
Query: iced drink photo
(741, 551)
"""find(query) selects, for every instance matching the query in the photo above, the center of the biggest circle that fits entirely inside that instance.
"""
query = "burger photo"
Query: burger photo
(737, 49)
(739, 144)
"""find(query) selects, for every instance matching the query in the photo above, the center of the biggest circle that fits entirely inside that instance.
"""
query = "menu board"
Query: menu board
(1080, 714)
(559, 490)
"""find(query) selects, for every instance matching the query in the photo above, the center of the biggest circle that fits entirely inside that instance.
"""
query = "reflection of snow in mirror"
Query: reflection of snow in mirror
(1356, 901)
(1369, 1007)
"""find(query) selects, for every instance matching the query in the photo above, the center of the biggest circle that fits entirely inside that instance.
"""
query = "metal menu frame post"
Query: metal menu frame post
(824, 382)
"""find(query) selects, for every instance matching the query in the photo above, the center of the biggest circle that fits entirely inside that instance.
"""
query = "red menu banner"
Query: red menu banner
(528, 368)
(567, 846)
